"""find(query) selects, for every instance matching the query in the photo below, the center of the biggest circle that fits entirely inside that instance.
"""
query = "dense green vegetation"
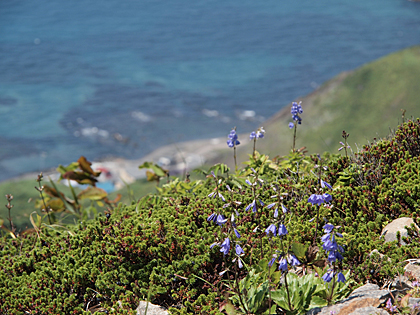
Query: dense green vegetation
(159, 246)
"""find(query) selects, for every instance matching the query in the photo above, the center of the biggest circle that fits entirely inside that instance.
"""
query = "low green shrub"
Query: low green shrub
(160, 245)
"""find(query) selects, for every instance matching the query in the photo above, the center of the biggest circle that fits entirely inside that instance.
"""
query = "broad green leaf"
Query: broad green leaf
(92, 193)
(229, 308)
(299, 250)
(64, 169)
(56, 204)
(317, 301)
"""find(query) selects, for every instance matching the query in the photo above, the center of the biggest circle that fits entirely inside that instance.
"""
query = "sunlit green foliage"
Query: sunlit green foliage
(161, 243)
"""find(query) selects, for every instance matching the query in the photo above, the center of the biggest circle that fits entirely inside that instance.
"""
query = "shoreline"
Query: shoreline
(176, 158)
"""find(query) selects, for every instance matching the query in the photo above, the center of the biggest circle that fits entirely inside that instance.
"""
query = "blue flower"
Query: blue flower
(293, 261)
(239, 250)
(271, 205)
(340, 277)
(328, 228)
(276, 212)
(259, 134)
(327, 198)
(319, 199)
(212, 217)
(327, 277)
(283, 264)
(282, 230)
(295, 111)
(249, 206)
(225, 246)
(237, 233)
(291, 125)
(271, 262)
(316, 199)
(221, 219)
(272, 229)
(284, 209)
(233, 139)
(325, 184)
(240, 263)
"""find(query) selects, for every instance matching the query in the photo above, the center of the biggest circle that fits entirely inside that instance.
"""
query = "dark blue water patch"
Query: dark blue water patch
(15, 147)
(46, 63)
(7, 101)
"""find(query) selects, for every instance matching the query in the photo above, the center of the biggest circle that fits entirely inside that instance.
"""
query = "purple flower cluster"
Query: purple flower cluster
(343, 146)
(295, 111)
(333, 251)
(225, 245)
(232, 139)
(319, 199)
(259, 134)
(273, 229)
(330, 245)
(389, 306)
(284, 261)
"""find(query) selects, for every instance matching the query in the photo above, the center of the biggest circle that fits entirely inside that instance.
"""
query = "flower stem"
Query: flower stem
(234, 157)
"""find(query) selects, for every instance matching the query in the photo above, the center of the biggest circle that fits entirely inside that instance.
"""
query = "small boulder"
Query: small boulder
(389, 232)
(151, 309)
(367, 296)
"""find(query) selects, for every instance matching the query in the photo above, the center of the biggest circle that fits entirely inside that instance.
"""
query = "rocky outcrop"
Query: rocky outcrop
(389, 232)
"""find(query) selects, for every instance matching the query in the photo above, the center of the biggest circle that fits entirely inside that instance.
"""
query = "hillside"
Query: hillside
(365, 102)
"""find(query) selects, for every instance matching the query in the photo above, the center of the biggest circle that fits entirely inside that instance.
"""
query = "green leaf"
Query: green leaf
(299, 250)
(56, 204)
(64, 169)
(92, 193)
(317, 301)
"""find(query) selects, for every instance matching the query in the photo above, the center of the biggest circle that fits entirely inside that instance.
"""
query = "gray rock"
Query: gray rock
(413, 268)
(151, 310)
(366, 296)
(369, 311)
(401, 283)
(389, 232)
(414, 302)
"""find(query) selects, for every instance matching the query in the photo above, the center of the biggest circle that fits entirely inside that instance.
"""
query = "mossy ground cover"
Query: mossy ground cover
(159, 246)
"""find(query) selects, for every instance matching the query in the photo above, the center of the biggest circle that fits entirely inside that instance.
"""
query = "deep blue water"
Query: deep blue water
(121, 78)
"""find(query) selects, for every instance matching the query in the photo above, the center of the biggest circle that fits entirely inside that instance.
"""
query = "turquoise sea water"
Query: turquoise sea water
(121, 78)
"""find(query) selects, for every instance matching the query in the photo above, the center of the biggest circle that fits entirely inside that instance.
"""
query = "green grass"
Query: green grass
(365, 103)
(25, 196)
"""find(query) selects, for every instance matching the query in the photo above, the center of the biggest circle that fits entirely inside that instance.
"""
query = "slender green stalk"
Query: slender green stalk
(234, 157)
(294, 137)
(41, 189)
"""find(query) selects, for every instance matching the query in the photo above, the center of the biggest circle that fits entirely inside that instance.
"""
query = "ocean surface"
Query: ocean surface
(114, 78)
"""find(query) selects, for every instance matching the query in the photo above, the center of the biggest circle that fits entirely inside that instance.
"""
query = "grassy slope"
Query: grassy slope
(25, 195)
(365, 102)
